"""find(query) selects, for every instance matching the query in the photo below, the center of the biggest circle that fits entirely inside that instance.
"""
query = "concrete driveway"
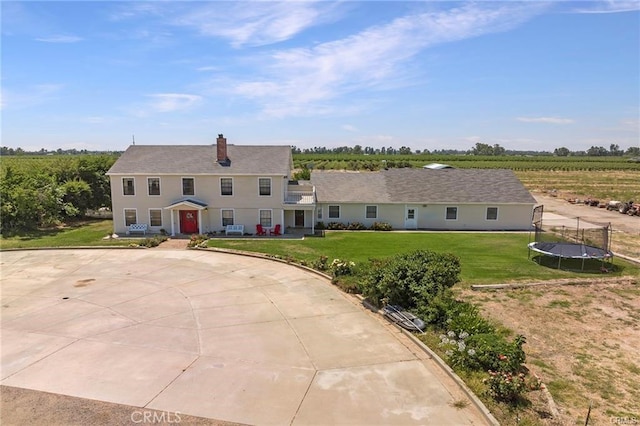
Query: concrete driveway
(213, 335)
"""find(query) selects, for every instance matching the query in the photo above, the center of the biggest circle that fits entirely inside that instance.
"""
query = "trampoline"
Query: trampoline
(570, 250)
(566, 240)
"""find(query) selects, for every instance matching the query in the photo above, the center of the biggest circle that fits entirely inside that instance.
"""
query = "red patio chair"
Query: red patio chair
(260, 230)
(275, 231)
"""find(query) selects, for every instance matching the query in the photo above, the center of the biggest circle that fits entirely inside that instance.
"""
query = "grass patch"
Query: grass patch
(562, 390)
(541, 364)
(559, 304)
(631, 368)
(85, 233)
(485, 257)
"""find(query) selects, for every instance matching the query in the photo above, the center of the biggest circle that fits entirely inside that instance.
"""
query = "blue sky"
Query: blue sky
(529, 75)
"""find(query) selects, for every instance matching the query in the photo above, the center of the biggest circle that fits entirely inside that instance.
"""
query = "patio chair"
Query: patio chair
(275, 231)
(260, 230)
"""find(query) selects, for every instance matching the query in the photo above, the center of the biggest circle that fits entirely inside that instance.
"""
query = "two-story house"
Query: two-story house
(185, 189)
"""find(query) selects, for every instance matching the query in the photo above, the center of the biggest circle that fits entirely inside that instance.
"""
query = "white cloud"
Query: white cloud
(349, 128)
(303, 80)
(208, 68)
(168, 102)
(256, 23)
(548, 120)
(60, 38)
(609, 6)
(30, 96)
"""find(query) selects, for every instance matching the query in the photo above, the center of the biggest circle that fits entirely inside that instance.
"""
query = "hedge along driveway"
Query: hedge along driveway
(486, 257)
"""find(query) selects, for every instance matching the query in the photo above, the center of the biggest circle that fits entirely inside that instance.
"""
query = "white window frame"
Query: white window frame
(264, 225)
(150, 219)
(366, 212)
(149, 187)
(220, 186)
(486, 214)
(124, 215)
(270, 187)
(446, 212)
(233, 217)
(339, 212)
(182, 186)
(133, 180)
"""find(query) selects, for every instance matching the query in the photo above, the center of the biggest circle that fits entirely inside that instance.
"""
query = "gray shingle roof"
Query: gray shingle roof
(201, 159)
(421, 186)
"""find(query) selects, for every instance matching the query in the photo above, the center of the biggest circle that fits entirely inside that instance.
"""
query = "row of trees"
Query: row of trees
(40, 192)
(479, 149)
(5, 150)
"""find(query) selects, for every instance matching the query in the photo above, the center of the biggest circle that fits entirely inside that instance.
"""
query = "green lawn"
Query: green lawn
(485, 257)
(88, 233)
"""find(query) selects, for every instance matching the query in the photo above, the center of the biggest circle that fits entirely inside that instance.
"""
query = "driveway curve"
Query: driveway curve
(213, 335)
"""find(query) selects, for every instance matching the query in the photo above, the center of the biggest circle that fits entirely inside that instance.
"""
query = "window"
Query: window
(452, 213)
(154, 186)
(334, 212)
(130, 217)
(320, 213)
(265, 218)
(371, 212)
(226, 186)
(492, 213)
(411, 214)
(128, 186)
(155, 217)
(264, 185)
(188, 186)
(227, 217)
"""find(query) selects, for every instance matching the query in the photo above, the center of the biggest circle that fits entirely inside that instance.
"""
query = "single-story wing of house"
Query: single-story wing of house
(186, 189)
(446, 199)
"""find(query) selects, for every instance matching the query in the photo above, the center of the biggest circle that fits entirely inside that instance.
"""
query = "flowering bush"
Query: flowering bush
(356, 226)
(341, 267)
(336, 226)
(381, 226)
(197, 240)
(506, 386)
(456, 349)
(321, 264)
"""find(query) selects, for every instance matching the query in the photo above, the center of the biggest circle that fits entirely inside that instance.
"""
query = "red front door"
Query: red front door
(188, 221)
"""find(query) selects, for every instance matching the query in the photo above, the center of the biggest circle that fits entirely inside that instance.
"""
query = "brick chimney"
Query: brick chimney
(221, 147)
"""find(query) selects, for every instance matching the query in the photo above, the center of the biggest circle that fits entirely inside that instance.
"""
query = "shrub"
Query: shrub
(411, 280)
(320, 226)
(336, 226)
(153, 241)
(381, 226)
(197, 240)
(507, 381)
(321, 264)
(464, 317)
(505, 386)
(341, 267)
(356, 226)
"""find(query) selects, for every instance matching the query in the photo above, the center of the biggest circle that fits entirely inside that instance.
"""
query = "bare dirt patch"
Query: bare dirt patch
(582, 340)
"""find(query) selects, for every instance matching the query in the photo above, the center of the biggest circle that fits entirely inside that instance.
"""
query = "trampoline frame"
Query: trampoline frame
(572, 250)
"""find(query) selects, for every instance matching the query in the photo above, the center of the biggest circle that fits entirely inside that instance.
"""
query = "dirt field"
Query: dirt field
(582, 340)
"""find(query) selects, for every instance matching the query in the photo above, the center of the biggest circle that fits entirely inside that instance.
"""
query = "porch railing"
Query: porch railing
(300, 197)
